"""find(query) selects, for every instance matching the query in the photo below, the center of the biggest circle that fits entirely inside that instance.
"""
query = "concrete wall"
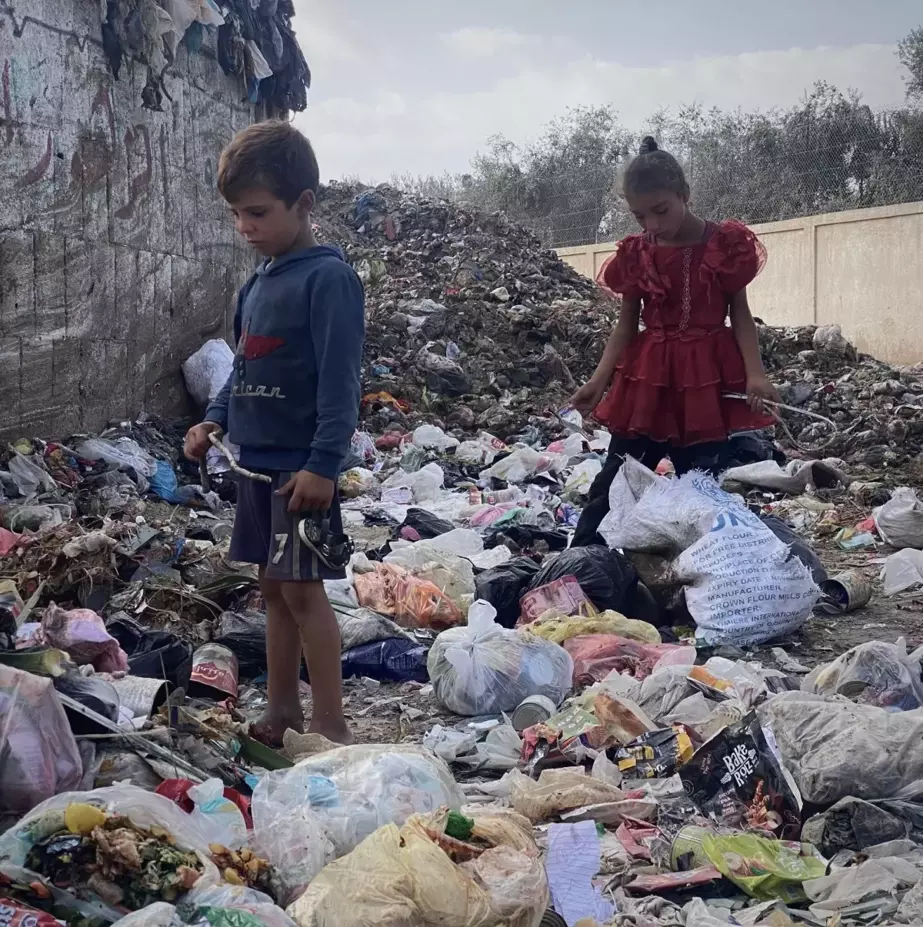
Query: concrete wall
(117, 258)
(861, 269)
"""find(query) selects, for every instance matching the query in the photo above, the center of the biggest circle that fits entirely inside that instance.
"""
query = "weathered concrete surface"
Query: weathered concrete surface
(117, 258)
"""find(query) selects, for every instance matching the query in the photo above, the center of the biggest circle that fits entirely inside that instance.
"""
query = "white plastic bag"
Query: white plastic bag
(797, 477)
(743, 588)
(433, 436)
(900, 519)
(217, 816)
(620, 528)
(38, 752)
(522, 463)
(582, 476)
(474, 452)
(483, 668)
(206, 371)
(347, 793)
(902, 571)
(424, 483)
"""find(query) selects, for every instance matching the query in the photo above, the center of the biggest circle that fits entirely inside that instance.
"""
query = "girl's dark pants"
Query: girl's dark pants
(709, 456)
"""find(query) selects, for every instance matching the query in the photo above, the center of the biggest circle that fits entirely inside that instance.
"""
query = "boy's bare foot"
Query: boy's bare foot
(338, 733)
(270, 727)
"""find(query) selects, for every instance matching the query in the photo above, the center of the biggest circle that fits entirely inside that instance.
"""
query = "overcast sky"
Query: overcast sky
(419, 85)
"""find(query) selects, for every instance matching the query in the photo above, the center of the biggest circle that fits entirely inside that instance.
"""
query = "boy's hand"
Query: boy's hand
(309, 492)
(196, 444)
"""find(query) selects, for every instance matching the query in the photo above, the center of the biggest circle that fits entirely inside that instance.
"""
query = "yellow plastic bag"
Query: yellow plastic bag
(558, 629)
(400, 877)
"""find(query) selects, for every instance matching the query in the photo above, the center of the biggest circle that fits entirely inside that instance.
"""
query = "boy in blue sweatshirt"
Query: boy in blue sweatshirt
(291, 403)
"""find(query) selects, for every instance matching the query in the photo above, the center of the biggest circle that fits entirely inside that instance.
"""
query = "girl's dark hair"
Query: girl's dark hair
(651, 170)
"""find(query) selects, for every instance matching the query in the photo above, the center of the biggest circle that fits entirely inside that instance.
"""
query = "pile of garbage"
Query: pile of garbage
(605, 735)
(471, 321)
(876, 408)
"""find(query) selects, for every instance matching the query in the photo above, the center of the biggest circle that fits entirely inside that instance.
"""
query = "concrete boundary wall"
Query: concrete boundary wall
(117, 256)
(861, 269)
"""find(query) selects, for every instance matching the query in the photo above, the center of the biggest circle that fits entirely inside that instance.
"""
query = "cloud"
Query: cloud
(429, 116)
(483, 42)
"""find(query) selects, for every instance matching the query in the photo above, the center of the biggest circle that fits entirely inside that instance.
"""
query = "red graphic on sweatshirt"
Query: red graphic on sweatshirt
(253, 347)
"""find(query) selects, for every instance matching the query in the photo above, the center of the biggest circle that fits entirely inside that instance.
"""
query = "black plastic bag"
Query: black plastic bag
(526, 537)
(244, 634)
(787, 535)
(606, 576)
(503, 585)
(152, 654)
(92, 692)
(425, 524)
(394, 660)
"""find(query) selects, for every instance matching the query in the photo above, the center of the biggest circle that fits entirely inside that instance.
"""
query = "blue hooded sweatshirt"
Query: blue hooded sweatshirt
(292, 400)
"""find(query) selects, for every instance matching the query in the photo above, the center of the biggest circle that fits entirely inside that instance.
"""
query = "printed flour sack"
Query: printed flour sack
(743, 587)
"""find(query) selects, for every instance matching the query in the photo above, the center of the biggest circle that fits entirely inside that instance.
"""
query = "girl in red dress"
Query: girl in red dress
(659, 390)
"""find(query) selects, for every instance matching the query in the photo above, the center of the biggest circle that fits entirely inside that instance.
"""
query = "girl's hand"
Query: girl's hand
(759, 389)
(588, 397)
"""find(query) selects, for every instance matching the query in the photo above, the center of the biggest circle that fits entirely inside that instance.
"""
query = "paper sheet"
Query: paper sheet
(571, 863)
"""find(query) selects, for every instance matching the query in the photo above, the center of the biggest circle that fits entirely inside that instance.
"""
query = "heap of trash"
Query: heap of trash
(712, 716)
(470, 319)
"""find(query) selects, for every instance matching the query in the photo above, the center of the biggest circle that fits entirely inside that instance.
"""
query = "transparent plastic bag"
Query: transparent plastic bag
(30, 476)
(515, 883)
(438, 564)
(412, 602)
(347, 794)
(38, 752)
(142, 808)
(287, 831)
(124, 453)
(874, 673)
(483, 668)
(217, 816)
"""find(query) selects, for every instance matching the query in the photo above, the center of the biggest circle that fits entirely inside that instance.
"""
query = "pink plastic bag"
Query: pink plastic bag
(83, 635)
(563, 596)
(596, 655)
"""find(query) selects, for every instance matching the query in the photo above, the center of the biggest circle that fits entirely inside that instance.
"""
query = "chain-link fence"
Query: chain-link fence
(755, 169)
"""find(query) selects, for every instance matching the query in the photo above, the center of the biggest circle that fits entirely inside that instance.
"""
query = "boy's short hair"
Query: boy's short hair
(271, 154)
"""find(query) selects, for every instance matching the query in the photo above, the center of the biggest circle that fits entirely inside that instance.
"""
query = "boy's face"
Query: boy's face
(267, 223)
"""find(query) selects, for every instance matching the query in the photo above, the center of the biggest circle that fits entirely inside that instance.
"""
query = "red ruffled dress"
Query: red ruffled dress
(669, 382)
